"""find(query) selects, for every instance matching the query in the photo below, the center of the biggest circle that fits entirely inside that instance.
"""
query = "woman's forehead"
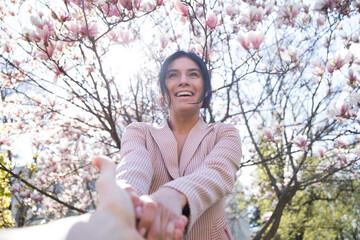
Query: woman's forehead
(183, 63)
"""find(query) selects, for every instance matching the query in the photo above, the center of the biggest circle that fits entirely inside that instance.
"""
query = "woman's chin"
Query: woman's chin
(186, 108)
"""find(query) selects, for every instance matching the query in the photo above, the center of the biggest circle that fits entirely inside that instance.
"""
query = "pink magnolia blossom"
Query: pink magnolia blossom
(323, 5)
(159, 2)
(269, 195)
(319, 67)
(31, 35)
(269, 134)
(340, 144)
(25, 193)
(252, 15)
(60, 46)
(319, 71)
(352, 78)
(256, 38)
(163, 41)
(317, 184)
(7, 47)
(343, 160)
(126, 4)
(126, 36)
(181, 8)
(57, 72)
(211, 19)
(36, 21)
(62, 16)
(232, 10)
(339, 109)
(339, 60)
(290, 55)
(35, 37)
(321, 153)
(44, 29)
(111, 10)
(113, 36)
(87, 3)
(269, 8)
(287, 14)
(330, 67)
(138, 2)
(351, 57)
(44, 34)
(301, 142)
(255, 14)
(148, 6)
(37, 198)
(89, 30)
(266, 216)
(40, 23)
(244, 41)
(73, 27)
(47, 52)
(320, 21)
(16, 188)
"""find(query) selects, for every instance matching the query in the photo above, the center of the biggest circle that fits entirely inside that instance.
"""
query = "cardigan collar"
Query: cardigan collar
(166, 141)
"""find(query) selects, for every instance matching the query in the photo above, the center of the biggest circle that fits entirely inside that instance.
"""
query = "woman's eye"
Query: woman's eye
(194, 75)
(172, 75)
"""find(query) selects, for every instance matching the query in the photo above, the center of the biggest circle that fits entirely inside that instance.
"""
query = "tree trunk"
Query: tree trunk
(275, 218)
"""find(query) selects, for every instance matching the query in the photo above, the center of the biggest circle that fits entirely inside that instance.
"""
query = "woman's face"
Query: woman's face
(185, 84)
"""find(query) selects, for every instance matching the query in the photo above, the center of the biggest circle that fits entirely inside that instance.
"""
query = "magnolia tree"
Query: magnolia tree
(75, 73)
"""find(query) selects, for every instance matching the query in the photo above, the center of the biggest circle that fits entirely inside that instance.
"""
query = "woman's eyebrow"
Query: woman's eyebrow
(189, 70)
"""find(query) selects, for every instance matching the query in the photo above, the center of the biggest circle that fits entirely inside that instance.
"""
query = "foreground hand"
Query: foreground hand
(114, 217)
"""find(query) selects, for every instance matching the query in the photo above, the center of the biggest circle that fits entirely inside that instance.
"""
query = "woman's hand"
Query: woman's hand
(164, 219)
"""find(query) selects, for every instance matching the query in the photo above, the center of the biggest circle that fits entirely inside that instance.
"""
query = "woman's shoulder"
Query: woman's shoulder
(224, 129)
(219, 126)
(145, 126)
(137, 126)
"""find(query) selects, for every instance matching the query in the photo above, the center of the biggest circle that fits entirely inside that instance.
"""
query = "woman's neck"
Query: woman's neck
(182, 124)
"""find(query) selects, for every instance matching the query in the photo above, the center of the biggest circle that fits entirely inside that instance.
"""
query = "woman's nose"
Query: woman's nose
(183, 79)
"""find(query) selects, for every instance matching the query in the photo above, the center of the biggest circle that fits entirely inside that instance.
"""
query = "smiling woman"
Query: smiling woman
(189, 66)
(184, 84)
(185, 165)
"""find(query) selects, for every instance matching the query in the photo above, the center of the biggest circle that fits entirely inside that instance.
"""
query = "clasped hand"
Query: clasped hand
(159, 215)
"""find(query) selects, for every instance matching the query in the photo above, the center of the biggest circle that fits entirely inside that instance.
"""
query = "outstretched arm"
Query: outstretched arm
(113, 219)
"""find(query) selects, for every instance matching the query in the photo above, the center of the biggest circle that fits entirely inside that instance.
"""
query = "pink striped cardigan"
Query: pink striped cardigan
(205, 174)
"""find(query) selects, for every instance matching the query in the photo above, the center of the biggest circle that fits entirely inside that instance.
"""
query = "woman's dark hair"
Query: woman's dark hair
(206, 94)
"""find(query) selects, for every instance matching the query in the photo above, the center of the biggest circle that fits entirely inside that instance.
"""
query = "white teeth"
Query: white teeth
(181, 94)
